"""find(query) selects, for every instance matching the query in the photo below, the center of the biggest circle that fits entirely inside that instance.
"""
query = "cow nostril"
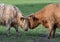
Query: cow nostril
(26, 29)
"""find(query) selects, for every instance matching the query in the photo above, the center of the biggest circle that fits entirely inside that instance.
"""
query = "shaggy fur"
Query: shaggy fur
(10, 16)
(49, 17)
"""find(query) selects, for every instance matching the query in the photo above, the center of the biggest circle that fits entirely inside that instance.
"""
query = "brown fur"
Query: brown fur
(49, 17)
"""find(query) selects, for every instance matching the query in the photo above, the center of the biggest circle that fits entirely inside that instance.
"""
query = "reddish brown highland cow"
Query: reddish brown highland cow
(10, 16)
(49, 17)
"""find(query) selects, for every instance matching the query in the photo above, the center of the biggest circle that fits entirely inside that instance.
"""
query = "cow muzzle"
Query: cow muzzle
(26, 29)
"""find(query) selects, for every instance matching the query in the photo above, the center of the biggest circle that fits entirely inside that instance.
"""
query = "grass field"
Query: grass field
(36, 35)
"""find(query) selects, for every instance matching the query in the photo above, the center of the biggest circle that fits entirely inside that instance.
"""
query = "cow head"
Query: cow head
(33, 21)
(24, 23)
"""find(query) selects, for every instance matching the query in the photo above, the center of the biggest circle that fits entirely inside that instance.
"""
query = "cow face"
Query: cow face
(24, 23)
(33, 21)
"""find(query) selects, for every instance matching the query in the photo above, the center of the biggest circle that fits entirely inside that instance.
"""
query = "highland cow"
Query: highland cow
(49, 17)
(11, 16)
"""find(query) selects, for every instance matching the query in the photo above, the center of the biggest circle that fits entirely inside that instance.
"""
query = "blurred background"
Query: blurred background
(39, 34)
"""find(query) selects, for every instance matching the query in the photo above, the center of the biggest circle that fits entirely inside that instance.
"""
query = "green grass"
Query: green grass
(28, 1)
(39, 33)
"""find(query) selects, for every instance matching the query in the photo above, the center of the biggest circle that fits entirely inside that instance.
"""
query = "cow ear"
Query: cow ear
(22, 18)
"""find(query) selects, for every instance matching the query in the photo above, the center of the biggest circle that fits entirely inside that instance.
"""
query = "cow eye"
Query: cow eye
(22, 18)
(35, 19)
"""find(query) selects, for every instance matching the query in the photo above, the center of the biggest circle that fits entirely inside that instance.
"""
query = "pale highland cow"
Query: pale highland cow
(49, 17)
(10, 16)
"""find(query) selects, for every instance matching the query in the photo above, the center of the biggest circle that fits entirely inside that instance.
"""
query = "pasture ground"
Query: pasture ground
(39, 34)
